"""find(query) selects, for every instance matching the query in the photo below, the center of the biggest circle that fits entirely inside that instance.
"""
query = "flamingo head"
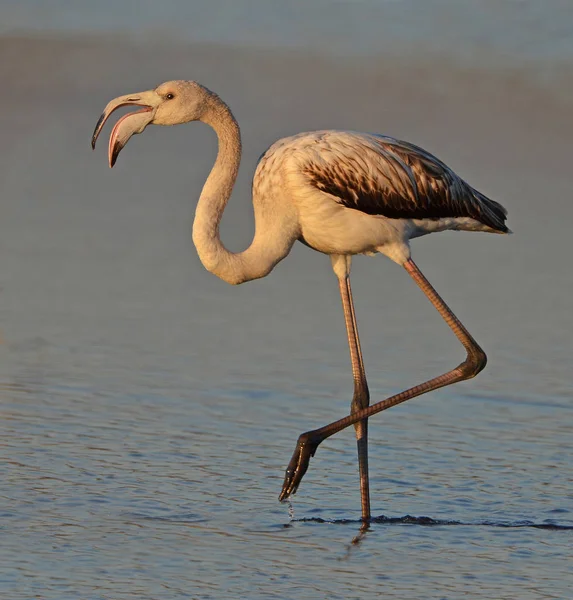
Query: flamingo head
(171, 103)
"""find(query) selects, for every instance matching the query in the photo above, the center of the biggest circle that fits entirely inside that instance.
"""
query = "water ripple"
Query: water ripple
(429, 522)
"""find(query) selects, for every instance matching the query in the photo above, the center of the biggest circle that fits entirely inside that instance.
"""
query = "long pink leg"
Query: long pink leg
(475, 361)
(361, 398)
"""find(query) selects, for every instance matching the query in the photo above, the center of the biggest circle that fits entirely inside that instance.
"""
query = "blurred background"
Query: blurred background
(149, 409)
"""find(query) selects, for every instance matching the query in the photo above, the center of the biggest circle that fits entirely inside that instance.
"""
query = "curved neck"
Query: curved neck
(232, 268)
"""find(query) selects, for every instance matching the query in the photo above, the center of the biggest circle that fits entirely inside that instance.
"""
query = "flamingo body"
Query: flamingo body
(357, 193)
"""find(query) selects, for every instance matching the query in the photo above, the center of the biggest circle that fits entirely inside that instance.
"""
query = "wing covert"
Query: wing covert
(379, 175)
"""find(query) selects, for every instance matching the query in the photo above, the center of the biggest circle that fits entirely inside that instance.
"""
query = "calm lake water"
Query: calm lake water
(508, 29)
(149, 410)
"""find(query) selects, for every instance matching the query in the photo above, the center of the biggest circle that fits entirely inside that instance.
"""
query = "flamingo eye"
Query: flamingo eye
(169, 96)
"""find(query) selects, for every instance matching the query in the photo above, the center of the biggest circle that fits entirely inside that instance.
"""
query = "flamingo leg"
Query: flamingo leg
(361, 398)
(475, 361)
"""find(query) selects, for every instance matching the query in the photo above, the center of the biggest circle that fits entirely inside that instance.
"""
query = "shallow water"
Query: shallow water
(149, 410)
(506, 30)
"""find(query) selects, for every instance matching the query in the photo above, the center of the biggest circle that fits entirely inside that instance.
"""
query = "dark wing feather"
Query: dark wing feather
(379, 175)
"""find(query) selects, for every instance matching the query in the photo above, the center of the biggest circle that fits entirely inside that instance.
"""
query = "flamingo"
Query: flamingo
(341, 193)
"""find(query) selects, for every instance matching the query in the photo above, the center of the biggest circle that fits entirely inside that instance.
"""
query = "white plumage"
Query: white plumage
(345, 186)
(341, 193)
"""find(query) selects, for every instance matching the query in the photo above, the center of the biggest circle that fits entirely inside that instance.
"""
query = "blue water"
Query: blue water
(504, 30)
(148, 410)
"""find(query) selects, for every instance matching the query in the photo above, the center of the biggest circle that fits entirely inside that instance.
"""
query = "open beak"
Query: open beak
(129, 124)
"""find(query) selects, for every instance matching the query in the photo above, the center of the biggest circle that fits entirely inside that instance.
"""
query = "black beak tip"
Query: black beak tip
(96, 130)
(114, 155)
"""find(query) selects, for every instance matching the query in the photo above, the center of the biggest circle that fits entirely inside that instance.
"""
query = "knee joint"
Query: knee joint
(475, 362)
(360, 400)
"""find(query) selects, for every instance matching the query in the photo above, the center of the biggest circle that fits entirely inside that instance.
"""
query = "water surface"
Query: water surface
(149, 410)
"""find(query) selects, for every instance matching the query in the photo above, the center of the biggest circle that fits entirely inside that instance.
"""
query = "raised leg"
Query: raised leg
(361, 398)
(475, 361)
